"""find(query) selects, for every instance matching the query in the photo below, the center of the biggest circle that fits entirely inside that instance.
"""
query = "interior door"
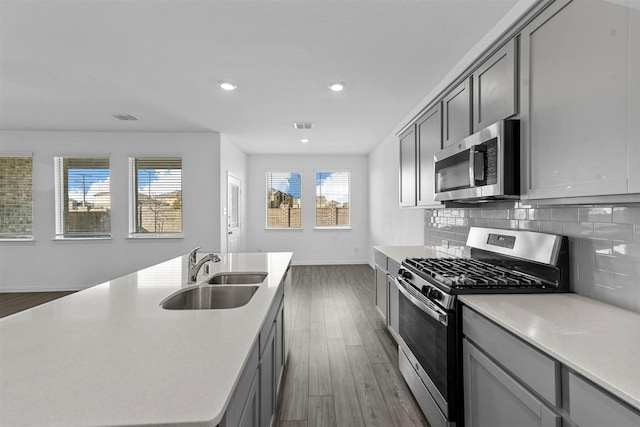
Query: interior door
(234, 231)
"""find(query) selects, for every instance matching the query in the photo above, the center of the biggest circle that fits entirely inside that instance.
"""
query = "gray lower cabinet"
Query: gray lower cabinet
(394, 308)
(381, 291)
(268, 379)
(590, 406)
(494, 398)
(251, 413)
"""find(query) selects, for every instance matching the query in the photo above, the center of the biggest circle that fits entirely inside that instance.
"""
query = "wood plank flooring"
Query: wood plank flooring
(343, 365)
(14, 302)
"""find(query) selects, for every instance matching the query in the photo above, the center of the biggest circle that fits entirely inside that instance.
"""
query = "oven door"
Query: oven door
(428, 333)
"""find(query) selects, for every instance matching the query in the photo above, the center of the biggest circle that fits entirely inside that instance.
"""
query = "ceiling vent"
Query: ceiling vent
(302, 125)
(124, 117)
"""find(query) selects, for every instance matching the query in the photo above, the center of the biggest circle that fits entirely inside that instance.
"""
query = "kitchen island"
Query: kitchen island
(110, 355)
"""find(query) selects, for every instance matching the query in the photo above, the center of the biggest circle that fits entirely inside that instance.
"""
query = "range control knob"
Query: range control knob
(434, 294)
(405, 274)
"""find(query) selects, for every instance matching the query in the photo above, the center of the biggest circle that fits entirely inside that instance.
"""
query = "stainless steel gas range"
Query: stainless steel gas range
(502, 261)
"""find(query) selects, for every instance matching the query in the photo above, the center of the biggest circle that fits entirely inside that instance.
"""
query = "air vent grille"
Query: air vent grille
(124, 117)
(302, 125)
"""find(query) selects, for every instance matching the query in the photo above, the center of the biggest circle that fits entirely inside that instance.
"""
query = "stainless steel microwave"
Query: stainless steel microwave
(481, 167)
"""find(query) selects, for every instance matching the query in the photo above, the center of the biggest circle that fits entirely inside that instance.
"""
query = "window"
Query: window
(156, 196)
(16, 197)
(83, 197)
(332, 199)
(283, 200)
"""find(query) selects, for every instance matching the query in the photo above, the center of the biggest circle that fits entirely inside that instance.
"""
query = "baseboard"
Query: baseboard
(332, 262)
(34, 288)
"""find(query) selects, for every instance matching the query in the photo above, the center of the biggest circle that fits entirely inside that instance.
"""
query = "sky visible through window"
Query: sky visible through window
(92, 181)
(333, 186)
(286, 182)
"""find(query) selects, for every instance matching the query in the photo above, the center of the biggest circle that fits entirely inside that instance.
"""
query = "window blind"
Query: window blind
(156, 195)
(283, 200)
(83, 197)
(332, 199)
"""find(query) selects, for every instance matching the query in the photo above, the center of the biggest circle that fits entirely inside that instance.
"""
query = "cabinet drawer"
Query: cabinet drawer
(538, 371)
(392, 267)
(381, 260)
(591, 407)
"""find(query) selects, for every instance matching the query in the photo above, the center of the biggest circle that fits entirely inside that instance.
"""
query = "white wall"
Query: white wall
(46, 264)
(388, 223)
(234, 161)
(310, 246)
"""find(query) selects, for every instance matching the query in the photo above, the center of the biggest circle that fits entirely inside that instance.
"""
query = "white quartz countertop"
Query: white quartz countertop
(597, 340)
(399, 253)
(110, 355)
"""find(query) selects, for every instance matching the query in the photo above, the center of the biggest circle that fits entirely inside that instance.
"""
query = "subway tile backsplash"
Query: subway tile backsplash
(604, 241)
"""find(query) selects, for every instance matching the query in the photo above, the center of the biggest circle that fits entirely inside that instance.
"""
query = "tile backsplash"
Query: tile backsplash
(604, 241)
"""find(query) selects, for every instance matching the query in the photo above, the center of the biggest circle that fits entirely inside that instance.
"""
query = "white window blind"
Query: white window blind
(156, 196)
(283, 200)
(83, 197)
(332, 199)
(16, 197)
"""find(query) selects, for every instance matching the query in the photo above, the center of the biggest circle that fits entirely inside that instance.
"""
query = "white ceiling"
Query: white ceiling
(72, 65)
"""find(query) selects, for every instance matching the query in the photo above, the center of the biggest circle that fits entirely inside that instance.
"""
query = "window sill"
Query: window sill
(155, 236)
(17, 239)
(79, 238)
(336, 228)
(284, 228)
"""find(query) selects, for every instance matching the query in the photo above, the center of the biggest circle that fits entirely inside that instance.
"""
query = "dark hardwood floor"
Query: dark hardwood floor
(343, 365)
(13, 302)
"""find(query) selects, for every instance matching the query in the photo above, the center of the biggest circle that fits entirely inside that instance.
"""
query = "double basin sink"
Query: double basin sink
(218, 292)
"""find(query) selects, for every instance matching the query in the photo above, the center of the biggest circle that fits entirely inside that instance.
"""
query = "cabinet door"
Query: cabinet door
(394, 307)
(575, 97)
(493, 398)
(429, 142)
(408, 167)
(251, 412)
(456, 113)
(268, 379)
(381, 292)
(279, 362)
(494, 87)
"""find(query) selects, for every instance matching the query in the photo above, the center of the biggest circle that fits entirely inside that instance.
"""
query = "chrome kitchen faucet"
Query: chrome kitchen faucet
(194, 267)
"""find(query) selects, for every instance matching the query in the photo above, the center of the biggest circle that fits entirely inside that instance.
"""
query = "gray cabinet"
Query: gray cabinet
(268, 379)
(495, 84)
(494, 398)
(579, 101)
(456, 113)
(381, 291)
(394, 308)
(244, 403)
(589, 406)
(251, 413)
(407, 190)
(429, 137)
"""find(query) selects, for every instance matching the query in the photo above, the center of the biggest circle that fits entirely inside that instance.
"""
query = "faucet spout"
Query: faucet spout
(195, 267)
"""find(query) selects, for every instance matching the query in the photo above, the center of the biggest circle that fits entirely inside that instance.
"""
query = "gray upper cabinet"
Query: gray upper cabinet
(407, 189)
(429, 128)
(579, 101)
(495, 87)
(456, 113)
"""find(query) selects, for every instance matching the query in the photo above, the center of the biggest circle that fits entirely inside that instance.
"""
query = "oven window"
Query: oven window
(453, 173)
(427, 340)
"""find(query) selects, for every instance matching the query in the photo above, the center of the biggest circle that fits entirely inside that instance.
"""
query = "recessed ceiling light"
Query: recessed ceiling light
(304, 140)
(337, 86)
(124, 117)
(227, 85)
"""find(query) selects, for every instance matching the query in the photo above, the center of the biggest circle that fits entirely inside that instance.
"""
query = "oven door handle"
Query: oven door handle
(435, 314)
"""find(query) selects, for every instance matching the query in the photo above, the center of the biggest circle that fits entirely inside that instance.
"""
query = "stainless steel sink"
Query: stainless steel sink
(237, 278)
(209, 297)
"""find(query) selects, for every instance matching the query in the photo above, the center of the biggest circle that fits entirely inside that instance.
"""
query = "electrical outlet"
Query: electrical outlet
(445, 243)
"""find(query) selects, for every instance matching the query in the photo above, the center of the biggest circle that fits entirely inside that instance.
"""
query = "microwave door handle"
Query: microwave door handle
(472, 166)
(476, 165)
